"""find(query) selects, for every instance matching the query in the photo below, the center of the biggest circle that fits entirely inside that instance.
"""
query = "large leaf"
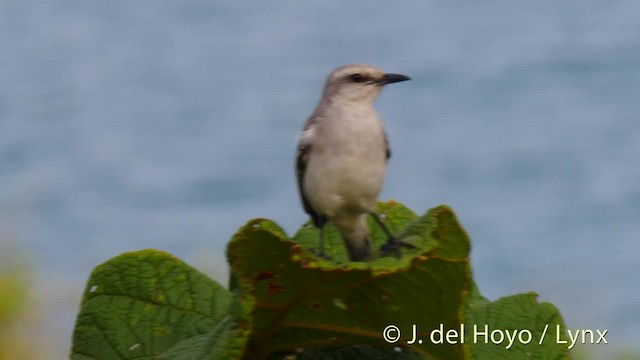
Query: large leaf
(514, 327)
(139, 304)
(289, 304)
(302, 301)
(226, 341)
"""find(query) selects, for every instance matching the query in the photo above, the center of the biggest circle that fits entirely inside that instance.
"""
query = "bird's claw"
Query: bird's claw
(394, 244)
(321, 254)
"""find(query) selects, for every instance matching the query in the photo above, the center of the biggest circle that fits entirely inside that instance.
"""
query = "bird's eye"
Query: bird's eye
(357, 78)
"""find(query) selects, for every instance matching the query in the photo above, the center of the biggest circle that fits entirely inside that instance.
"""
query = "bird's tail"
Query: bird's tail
(355, 236)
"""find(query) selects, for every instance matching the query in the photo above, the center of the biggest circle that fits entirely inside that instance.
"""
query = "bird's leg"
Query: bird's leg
(321, 252)
(393, 243)
(322, 221)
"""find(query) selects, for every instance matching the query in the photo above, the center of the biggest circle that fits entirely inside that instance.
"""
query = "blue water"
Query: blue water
(127, 125)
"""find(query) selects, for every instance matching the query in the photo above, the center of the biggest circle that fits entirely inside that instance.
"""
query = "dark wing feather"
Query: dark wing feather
(301, 165)
(387, 147)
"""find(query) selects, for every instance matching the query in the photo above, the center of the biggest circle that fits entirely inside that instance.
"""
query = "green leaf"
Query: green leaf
(523, 319)
(289, 304)
(302, 301)
(226, 341)
(139, 304)
(394, 214)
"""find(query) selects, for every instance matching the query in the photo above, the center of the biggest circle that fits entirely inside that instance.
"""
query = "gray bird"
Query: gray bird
(342, 156)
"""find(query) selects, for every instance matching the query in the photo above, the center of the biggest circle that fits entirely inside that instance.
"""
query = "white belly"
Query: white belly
(346, 170)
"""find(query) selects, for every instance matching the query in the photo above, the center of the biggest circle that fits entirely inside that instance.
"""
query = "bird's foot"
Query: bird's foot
(321, 254)
(393, 245)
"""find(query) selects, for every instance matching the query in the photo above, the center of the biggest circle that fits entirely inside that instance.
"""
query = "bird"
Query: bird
(341, 158)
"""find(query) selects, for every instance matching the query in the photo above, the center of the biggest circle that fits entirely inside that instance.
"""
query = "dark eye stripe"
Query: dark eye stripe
(358, 78)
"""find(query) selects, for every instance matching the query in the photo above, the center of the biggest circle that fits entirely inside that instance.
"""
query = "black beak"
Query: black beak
(393, 78)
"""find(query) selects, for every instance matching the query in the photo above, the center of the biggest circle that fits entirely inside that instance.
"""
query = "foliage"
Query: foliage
(284, 302)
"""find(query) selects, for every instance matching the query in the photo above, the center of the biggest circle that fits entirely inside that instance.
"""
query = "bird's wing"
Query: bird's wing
(386, 144)
(301, 166)
(302, 157)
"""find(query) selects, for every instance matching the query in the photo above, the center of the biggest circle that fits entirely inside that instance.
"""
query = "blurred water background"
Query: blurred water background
(169, 124)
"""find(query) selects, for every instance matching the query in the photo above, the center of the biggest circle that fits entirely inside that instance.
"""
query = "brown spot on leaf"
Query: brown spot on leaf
(275, 288)
(265, 275)
(160, 330)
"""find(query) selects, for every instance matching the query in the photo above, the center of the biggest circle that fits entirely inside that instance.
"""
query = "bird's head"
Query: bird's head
(360, 83)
